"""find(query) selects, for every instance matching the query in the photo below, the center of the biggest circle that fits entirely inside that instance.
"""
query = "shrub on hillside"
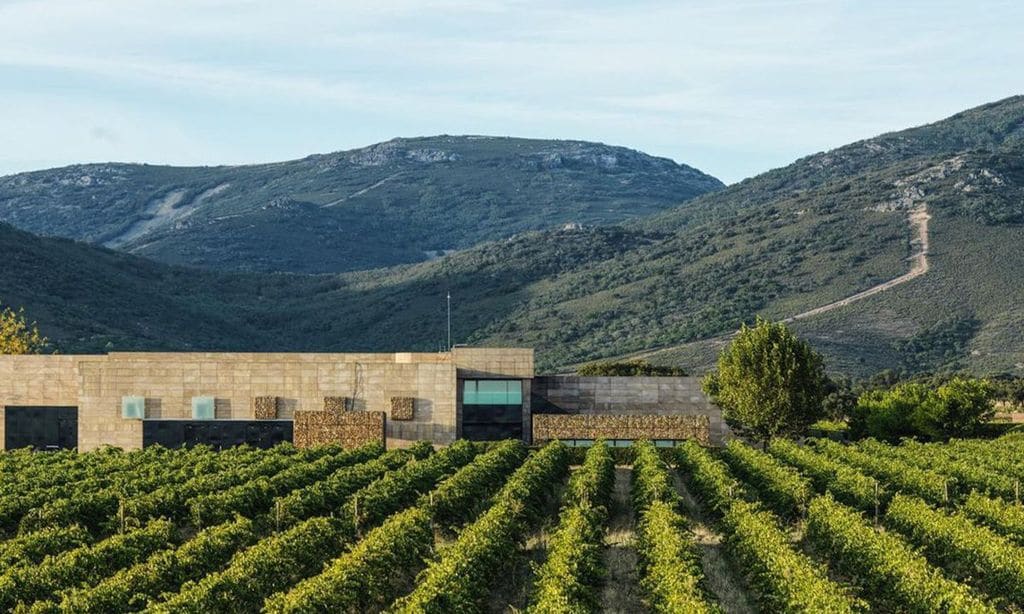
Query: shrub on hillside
(954, 409)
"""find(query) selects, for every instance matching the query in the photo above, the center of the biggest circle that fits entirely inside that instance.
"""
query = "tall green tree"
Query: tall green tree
(768, 382)
(17, 336)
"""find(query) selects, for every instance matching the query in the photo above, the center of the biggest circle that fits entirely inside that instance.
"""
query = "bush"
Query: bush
(628, 368)
(954, 409)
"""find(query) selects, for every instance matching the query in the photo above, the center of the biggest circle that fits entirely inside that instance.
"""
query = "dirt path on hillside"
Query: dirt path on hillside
(918, 220)
(621, 593)
(373, 186)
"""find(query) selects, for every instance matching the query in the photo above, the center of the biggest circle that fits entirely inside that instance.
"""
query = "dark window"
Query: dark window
(41, 428)
(216, 433)
(492, 409)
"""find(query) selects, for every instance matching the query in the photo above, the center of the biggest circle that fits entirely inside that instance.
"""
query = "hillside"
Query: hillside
(779, 244)
(402, 201)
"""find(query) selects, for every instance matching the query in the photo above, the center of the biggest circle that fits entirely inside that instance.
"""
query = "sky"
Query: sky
(731, 87)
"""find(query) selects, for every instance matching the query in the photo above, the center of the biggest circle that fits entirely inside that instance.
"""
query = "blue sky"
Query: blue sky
(732, 87)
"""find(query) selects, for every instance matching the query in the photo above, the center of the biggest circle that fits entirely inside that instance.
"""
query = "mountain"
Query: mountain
(402, 201)
(934, 214)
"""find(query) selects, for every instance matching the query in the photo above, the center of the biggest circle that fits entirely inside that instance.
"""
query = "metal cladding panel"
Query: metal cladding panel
(216, 433)
(41, 428)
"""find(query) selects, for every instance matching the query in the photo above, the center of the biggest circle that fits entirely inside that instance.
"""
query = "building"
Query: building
(132, 400)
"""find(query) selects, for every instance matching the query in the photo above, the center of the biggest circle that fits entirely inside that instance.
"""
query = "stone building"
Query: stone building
(132, 400)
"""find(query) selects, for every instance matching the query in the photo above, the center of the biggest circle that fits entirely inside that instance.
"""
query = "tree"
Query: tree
(954, 409)
(768, 382)
(18, 336)
(892, 414)
(962, 404)
(628, 368)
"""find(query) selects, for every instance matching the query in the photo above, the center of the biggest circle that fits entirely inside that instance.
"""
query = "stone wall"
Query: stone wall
(351, 428)
(609, 426)
(627, 396)
(38, 380)
(168, 381)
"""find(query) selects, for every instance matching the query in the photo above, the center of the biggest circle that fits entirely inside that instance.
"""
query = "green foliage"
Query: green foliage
(896, 474)
(262, 570)
(256, 496)
(966, 550)
(969, 473)
(768, 381)
(954, 409)
(130, 589)
(787, 579)
(17, 336)
(669, 562)
(651, 479)
(32, 548)
(781, 487)
(362, 579)
(461, 579)
(887, 568)
(1004, 518)
(456, 499)
(708, 477)
(83, 565)
(670, 569)
(400, 488)
(568, 580)
(845, 483)
(329, 494)
(628, 368)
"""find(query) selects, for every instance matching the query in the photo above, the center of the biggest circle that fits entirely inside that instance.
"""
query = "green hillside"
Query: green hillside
(402, 201)
(779, 244)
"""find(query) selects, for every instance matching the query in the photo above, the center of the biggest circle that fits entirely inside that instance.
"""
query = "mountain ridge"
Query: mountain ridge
(775, 245)
(396, 202)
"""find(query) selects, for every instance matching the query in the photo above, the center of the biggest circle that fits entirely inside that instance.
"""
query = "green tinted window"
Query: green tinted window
(492, 392)
(469, 395)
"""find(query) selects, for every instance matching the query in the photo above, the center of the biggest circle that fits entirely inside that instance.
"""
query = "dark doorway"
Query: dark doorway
(492, 422)
(41, 428)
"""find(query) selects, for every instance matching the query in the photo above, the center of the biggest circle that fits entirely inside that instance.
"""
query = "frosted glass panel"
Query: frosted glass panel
(202, 408)
(133, 407)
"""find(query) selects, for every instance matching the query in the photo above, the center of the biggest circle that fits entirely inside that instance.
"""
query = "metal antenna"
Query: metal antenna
(449, 321)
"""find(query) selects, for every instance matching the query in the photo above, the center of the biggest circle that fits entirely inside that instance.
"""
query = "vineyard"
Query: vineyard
(817, 526)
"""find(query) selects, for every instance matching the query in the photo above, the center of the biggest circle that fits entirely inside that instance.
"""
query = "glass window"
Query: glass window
(469, 395)
(133, 407)
(622, 443)
(664, 443)
(515, 392)
(492, 392)
(202, 408)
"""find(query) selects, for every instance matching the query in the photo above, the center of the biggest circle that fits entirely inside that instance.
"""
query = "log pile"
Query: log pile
(402, 408)
(609, 426)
